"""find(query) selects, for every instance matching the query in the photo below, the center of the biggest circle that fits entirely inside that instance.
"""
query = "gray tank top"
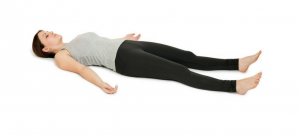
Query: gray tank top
(91, 49)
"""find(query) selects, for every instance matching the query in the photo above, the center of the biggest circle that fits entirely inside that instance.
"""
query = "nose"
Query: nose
(52, 33)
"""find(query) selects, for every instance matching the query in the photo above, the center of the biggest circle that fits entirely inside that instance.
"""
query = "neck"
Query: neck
(59, 47)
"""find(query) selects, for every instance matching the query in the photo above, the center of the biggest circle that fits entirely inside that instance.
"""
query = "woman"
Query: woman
(131, 57)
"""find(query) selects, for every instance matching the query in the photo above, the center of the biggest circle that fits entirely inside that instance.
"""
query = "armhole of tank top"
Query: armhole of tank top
(68, 51)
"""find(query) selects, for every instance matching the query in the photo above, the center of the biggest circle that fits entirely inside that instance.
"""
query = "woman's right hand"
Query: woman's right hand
(108, 89)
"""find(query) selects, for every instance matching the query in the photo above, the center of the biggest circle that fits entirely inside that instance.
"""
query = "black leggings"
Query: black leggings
(155, 60)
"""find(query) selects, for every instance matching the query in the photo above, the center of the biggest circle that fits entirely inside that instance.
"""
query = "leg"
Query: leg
(133, 61)
(187, 58)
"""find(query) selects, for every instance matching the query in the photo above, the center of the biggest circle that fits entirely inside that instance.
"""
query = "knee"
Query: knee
(182, 71)
(190, 54)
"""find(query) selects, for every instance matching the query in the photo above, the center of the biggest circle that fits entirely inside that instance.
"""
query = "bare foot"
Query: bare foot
(243, 85)
(245, 62)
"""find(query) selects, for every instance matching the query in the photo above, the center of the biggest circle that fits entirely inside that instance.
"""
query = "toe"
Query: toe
(257, 56)
(256, 84)
(259, 52)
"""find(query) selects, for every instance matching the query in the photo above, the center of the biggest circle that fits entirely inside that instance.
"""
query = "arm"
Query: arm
(131, 37)
(88, 74)
(66, 62)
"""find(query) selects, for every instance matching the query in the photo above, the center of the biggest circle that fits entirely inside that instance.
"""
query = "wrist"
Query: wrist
(101, 85)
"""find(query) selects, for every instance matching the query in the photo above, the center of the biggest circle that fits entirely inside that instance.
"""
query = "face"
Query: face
(49, 40)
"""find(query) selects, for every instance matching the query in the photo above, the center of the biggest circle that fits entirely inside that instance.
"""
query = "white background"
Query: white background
(38, 98)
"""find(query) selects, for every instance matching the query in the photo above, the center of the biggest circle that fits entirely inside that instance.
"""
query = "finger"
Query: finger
(138, 37)
(111, 88)
(114, 90)
(108, 86)
(116, 87)
(106, 91)
(109, 91)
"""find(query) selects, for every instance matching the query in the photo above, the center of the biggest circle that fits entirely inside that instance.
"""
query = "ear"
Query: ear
(45, 49)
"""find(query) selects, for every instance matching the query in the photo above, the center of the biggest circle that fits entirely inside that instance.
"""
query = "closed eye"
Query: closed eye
(47, 35)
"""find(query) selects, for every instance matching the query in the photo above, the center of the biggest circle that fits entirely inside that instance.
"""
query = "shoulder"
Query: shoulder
(66, 62)
(62, 57)
(62, 53)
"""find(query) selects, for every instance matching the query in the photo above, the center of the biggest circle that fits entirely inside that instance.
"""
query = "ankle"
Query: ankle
(238, 85)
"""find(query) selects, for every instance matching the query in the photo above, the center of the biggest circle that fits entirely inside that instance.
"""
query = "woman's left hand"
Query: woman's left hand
(131, 37)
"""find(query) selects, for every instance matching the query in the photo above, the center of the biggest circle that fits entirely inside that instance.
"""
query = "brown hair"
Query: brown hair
(37, 47)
